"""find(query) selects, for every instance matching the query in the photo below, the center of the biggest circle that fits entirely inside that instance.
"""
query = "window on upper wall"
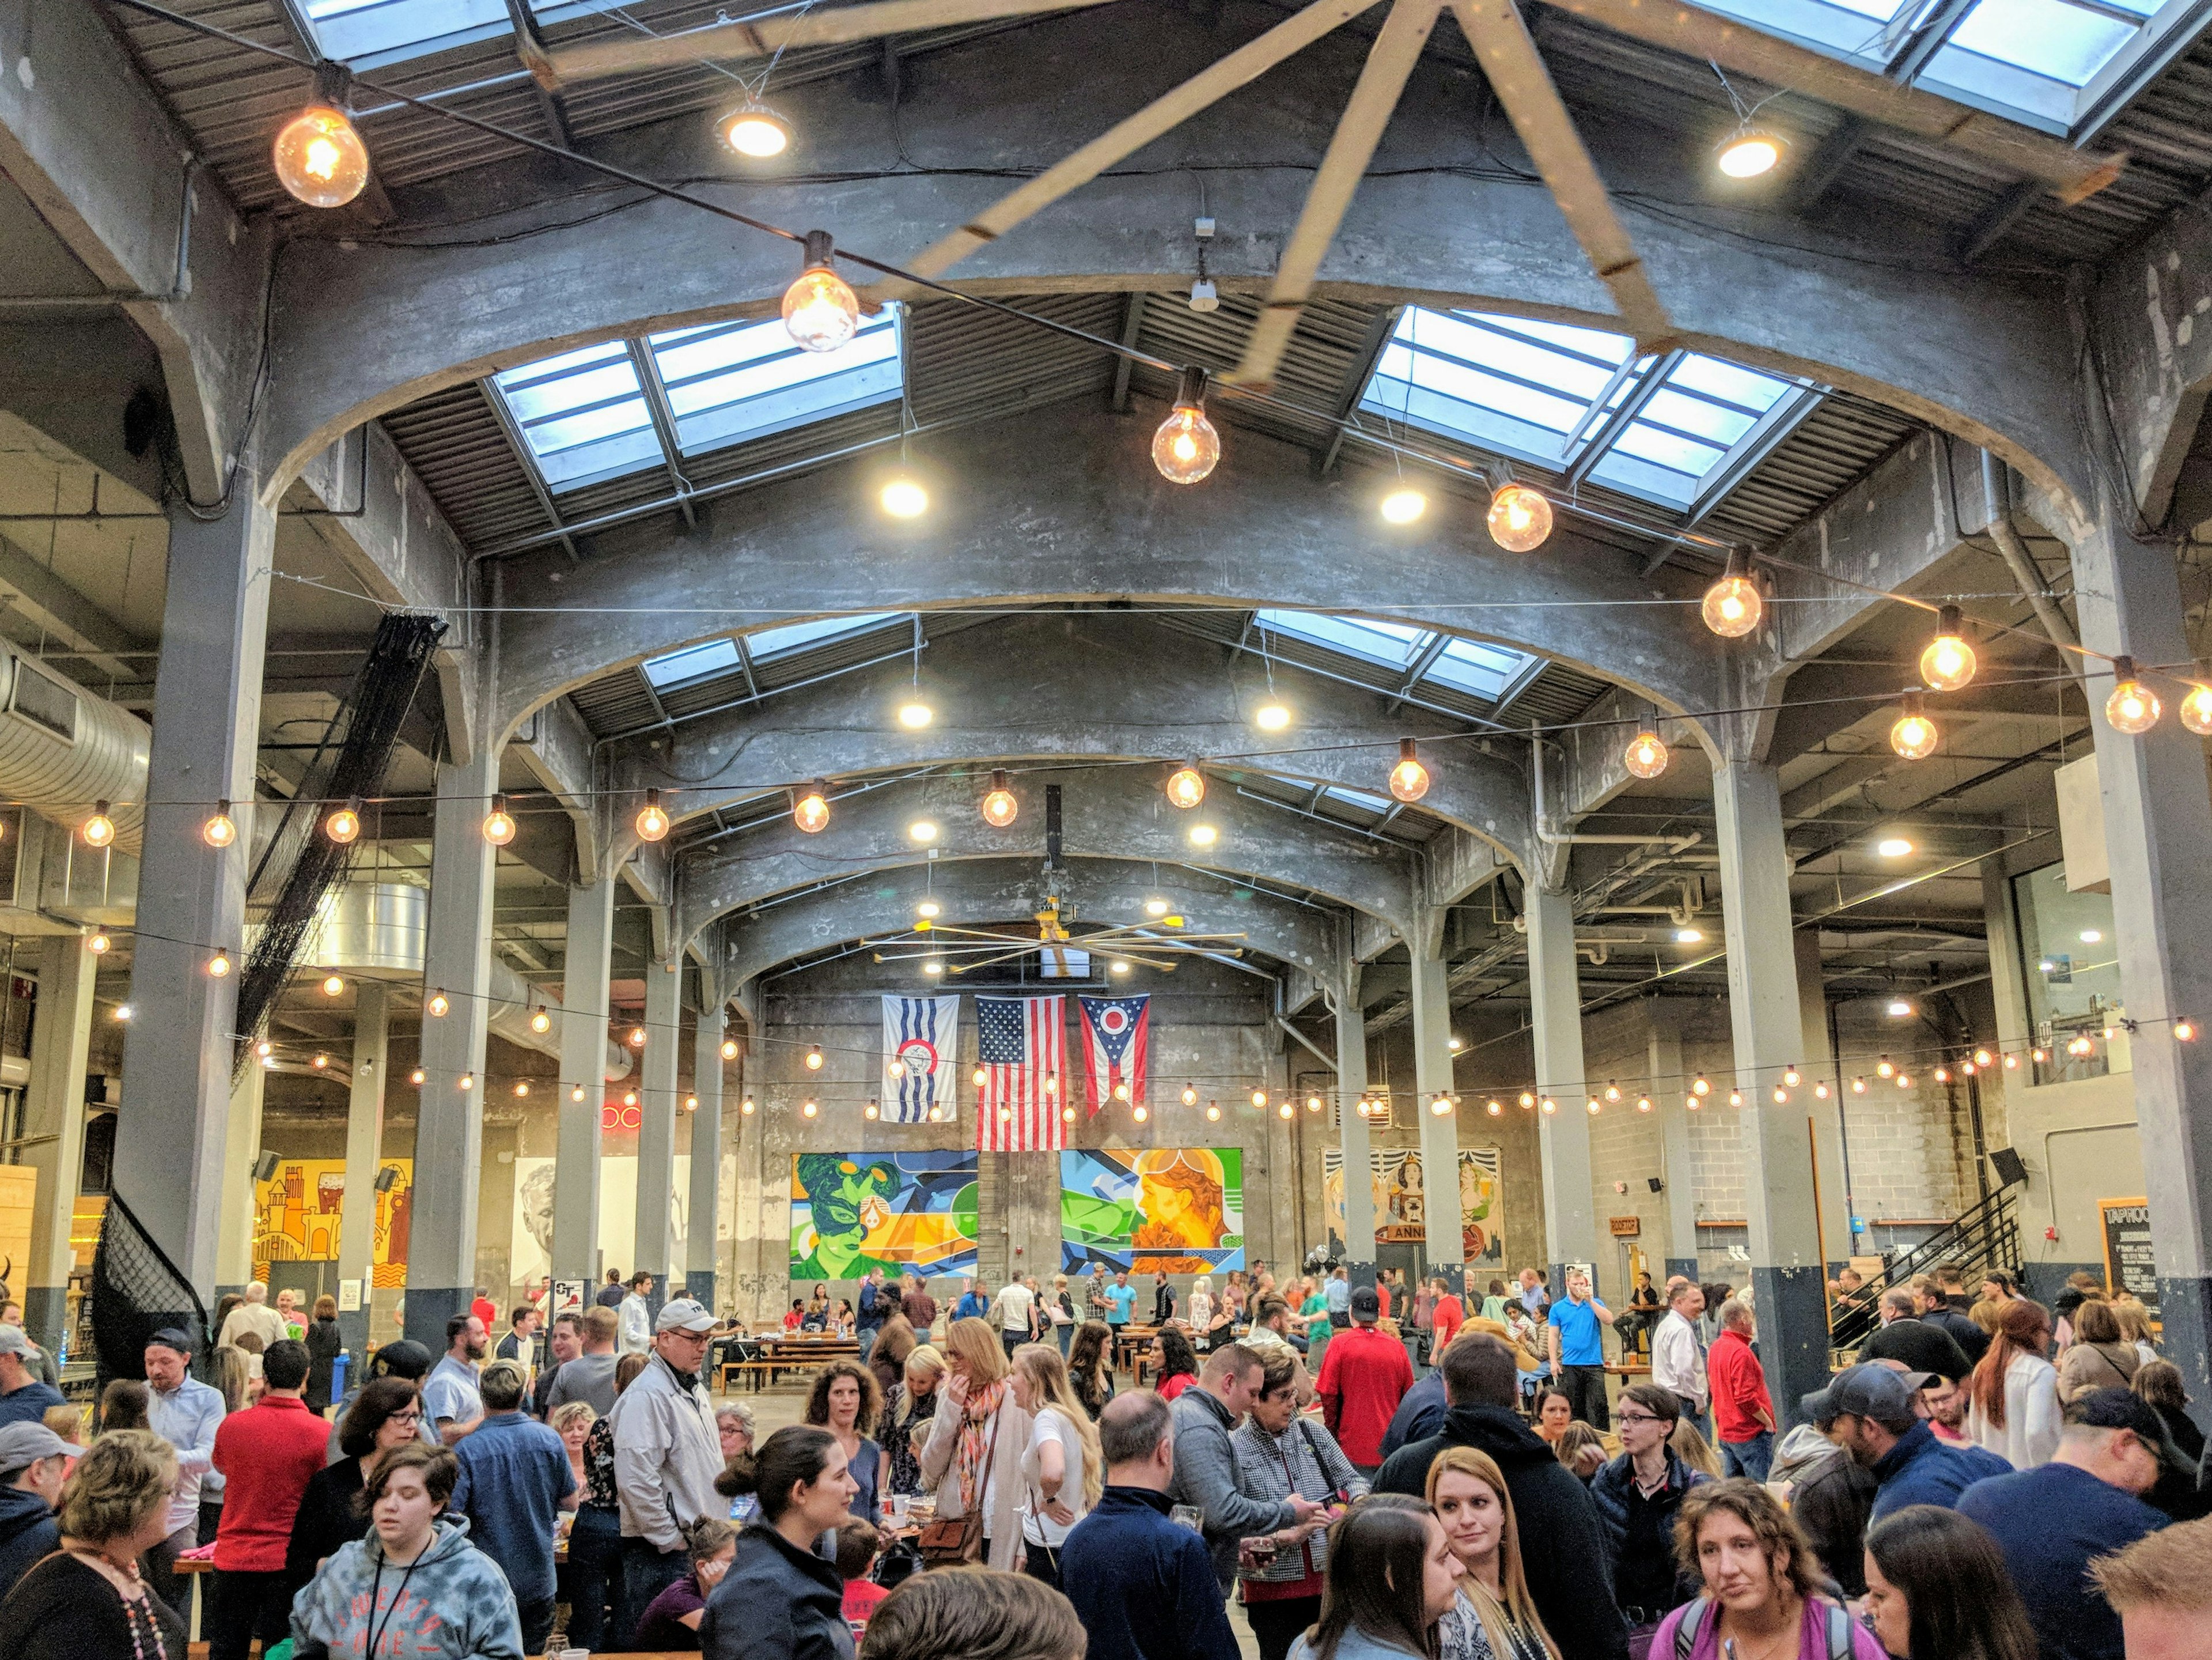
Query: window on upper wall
(2070, 965)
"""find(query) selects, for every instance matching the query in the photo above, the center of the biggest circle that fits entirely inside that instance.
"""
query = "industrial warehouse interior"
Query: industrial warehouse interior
(1521, 677)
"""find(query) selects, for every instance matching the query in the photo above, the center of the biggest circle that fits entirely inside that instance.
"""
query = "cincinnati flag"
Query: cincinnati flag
(1117, 1035)
(921, 1037)
(1020, 1047)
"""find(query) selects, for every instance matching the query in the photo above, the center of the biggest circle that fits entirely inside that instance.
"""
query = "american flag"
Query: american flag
(1019, 1044)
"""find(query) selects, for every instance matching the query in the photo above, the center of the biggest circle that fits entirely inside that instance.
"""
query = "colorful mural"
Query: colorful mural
(1177, 1209)
(1401, 1205)
(852, 1211)
(297, 1211)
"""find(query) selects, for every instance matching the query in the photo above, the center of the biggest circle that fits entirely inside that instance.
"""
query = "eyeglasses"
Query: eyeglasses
(404, 1418)
(1638, 1417)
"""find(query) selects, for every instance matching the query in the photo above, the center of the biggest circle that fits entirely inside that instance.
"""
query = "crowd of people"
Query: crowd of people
(1986, 1481)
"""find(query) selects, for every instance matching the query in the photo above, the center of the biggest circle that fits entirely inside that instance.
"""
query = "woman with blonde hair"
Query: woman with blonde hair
(1062, 1471)
(1689, 1444)
(2098, 1358)
(2134, 1328)
(909, 1410)
(976, 1442)
(1582, 1449)
(1493, 1617)
(87, 1598)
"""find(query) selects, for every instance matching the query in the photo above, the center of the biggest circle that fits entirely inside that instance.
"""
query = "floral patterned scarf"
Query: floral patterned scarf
(976, 1442)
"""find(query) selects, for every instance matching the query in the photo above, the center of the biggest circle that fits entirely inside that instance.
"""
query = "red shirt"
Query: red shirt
(1449, 1317)
(1383, 1296)
(1739, 1385)
(484, 1310)
(861, 1596)
(266, 1455)
(1171, 1387)
(1364, 1377)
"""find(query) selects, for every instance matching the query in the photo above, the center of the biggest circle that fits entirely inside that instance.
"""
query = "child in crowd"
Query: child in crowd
(858, 1545)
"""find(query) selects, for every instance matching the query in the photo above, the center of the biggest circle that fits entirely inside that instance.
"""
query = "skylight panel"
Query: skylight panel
(358, 32)
(729, 382)
(1376, 804)
(1692, 422)
(1476, 669)
(1393, 645)
(1501, 383)
(771, 643)
(692, 663)
(583, 415)
(2064, 43)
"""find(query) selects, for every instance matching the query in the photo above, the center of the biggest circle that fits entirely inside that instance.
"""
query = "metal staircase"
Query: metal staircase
(1987, 1236)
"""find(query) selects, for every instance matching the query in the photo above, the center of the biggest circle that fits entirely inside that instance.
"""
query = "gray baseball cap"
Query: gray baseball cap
(14, 1341)
(22, 1445)
(684, 1315)
(1870, 1390)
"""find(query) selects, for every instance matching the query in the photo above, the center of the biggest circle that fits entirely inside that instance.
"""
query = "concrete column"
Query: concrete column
(656, 1133)
(584, 1013)
(1351, 1134)
(371, 1024)
(1670, 1094)
(700, 1241)
(241, 1147)
(53, 1130)
(1556, 1022)
(1431, 996)
(2158, 840)
(169, 1165)
(441, 1265)
(1818, 1063)
(1786, 1270)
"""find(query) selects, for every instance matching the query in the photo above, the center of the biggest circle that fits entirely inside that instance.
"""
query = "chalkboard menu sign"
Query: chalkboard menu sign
(2128, 1250)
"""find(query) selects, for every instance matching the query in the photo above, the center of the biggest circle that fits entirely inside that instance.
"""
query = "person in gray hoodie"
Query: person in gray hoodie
(415, 1585)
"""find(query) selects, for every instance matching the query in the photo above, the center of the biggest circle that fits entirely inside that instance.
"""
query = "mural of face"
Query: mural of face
(847, 1198)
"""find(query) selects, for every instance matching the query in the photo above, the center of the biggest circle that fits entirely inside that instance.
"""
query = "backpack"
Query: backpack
(1693, 1623)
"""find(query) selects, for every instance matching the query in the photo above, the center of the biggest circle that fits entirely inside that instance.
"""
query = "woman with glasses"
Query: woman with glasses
(387, 1413)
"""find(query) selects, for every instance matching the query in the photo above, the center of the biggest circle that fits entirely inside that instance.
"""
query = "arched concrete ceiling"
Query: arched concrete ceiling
(1063, 506)
(1097, 686)
(362, 326)
(979, 891)
(1111, 812)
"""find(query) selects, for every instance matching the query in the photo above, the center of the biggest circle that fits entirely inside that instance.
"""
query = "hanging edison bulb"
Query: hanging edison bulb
(1885, 1067)
(1734, 605)
(541, 1022)
(1520, 519)
(1190, 1095)
(820, 311)
(98, 830)
(1701, 1086)
(1213, 1112)
(221, 829)
(218, 966)
(344, 825)
(1187, 448)
(814, 1058)
(810, 811)
(1139, 1113)
(333, 985)
(2196, 710)
(1000, 806)
(498, 823)
(652, 819)
(437, 1005)
(99, 943)
(1259, 1098)
(1409, 779)
(1914, 735)
(1527, 1099)
(1186, 787)
(729, 1048)
(1647, 754)
(2133, 707)
(319, 157)
(1948, 663)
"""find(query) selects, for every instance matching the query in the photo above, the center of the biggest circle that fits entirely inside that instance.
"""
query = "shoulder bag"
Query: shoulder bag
(950, 1541)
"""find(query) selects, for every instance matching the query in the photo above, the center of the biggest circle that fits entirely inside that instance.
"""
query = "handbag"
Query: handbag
(950, 1541)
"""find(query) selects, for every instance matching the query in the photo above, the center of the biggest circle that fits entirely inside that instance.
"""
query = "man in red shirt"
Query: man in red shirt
(1450, 1314)
(1743, 1413)
(1362, 1377)
(266, 1456)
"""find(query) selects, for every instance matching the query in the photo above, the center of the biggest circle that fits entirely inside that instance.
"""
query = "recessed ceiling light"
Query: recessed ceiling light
(2091, 936)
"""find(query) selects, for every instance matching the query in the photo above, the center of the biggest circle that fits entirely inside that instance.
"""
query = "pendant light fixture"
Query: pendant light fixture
(2196, 710)
(1186, 786)
(1409, 779)
(1948, 663)
(2132, 709)
(1913, 735)
(652, 818)
(98, 830)
(1186, 448)
(221, 829)
(1000, 806)
(820, 311)
(317, 156)
(811, 811)
(1646, 757)
(343, 824)
(1520, 519)
(753, 130)
(498, 823)
(1734, 605)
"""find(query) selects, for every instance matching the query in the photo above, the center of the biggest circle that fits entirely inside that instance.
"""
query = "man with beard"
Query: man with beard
(450, 1399)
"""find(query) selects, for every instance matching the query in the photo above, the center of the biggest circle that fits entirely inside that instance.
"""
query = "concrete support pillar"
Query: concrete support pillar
(1351, 1134)
(1818, 1063)
(441, 1263)
(169, 1166)
(584, 1011)
(2158, 840)
(1786, 1266)
(1563, 1085)
(53, 1130)
(371, 1025)
(656, 1133)
(1670, 1094)
(700, 1240)
(241, 1148)
(1430, 995)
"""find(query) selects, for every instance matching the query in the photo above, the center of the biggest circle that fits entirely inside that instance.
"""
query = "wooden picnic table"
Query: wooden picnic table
(783, 1353)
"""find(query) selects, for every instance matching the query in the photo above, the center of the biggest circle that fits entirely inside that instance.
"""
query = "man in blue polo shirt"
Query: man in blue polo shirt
(515, 1475)
(1121, 1294)
(1577, 1351)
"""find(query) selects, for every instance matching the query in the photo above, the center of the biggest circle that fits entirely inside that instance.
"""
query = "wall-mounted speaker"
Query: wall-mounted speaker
(2006, 1163)
(387, 1178)
(1657, 1186)
(265, 1167)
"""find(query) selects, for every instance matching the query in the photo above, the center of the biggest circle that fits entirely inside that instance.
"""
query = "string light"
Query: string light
(1186, 448)
(321, 1063)
(1550, 1105)
(221, 830)
(498, 823)
(1948, 661)
(1189, 1090)
(1914, 735)
(99, 943)
(1285, 1110)
(1820, 1091)
(729, 1048)
(1259, 1098)
(416, 1077)
(124, 1011)
(820, 311)
(1700, 1085)
(1904, 1080)
(437, 1005)
(1791, 1076)
(1780, 1095)
(1527, 1099)
(343, 824)
(1858, 1086)
(2012, 1063)
(2133, 707)
(1404, 505)
(576, 1093)
(1273, 716)
(1647, 754)
(319, 158)
(629, 1098)
(468, 1080)
(2196, 710)
(810, 1110)
(333, 985)
(1409, 779)
(1213, 1112)
(1942, 1074)
(1593, 1106)
(541, 1022)
(1140, 1114)
(753, 130)
(745, 1106)
(637, 1037)
(1983, 1057)
(261, 1049)
(522, 1089)
(810, 811)
(1612, 1091)
(1733, 604)
(1121, 1091)
(1642, 1103)
(1493, 1107)
(1186, 787)
(652, 821)
(814, 1059)
(219, 964)
(1313, 1103)
(1520, 519)
(1884, 1068)
(1735, 1097)
(1000, 806)
(871, 1110)
(98, 830)
(2185, 1031)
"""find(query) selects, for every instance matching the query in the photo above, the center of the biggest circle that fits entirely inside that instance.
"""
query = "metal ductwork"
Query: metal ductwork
(62, 749)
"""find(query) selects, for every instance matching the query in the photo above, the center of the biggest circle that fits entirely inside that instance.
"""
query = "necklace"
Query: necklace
(1788, 1634)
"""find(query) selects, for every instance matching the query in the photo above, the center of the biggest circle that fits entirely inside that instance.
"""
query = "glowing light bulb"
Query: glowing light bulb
(1644, 1104)
(810, 1110)
(344, 825)
(1520, 519)
(753, 130)
(811, 812)
(1780, 1095)
(1904, 1080)
(221, 830)
(1285, 1109)
(1948, 663)
(820, 311)
(416, 1077)
(1899, 1009)
(2132, 709)
(913, 714)
(321, 1063)
(218, 966)
(2196, 710)
(1118, 965)
(745, 1106)
(1140, 1114)
(922, 830)
(1732, 605)
(1858, 1086)
(1883, 1068)
(928, 908)
(1893, 846)
(2012, 1063)
(1186, 787)
(522, 1089)
(1689, 936)
(1000, 806)
(629, 1098)
(576, 1093)
(1404, 505)
(651, 820)
(1595, 1106)
(99, 943)
(1190, 1095)
(1612, 1091)
(498, 823)
(729, 1048)
(1313, 1103)
(1735, 1097)
(1550, 1105)
(1273, 716)
(437, 1005)
(1914, 735)
(320, 159)
(124, 1011)
(1186, 448)
(98, 830)
(1259, 1098)
(1156, 908)
(904, 498)
(1942, 1074)
(1983, 1057)
(1409, 779)
(1213, 1112)
(333, 985)
(2185, 1031)
(1791, 1077)
(1820, 1092)
(871, 1109)
(1647, 754)
(1748, 152)
(814, 1059)
(541, 1022)
(261, 1049)
(932, 966)
(468, 1080)
(1700, 1086)
(1204, 836)
(1068, 1115)
(1494, 1108)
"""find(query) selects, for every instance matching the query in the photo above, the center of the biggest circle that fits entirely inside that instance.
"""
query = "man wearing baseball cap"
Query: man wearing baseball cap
(23, 1398)
(33, 1461)
(1868, 1410)
(667, 1453)
(1363, 1376)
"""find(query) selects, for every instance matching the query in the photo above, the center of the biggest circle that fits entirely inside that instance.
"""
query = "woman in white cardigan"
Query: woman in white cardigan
(2013, 1391)
(960, 1461)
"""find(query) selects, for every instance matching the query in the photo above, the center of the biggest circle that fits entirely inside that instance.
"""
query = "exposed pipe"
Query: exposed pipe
(1326, 1060)
(1672, 843)
(1996, 491)
(66, 748)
